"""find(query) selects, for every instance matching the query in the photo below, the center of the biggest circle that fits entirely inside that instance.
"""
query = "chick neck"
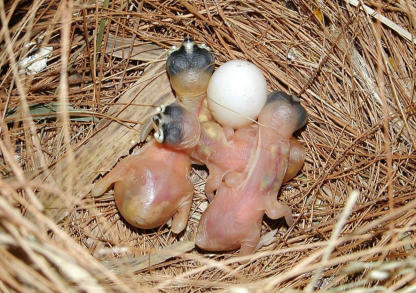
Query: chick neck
(192, 104)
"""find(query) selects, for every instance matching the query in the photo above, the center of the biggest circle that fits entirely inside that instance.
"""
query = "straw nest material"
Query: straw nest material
(78, 78)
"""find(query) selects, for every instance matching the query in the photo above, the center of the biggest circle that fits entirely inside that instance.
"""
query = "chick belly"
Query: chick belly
(225, 227)
(138, 210)
(148, 198)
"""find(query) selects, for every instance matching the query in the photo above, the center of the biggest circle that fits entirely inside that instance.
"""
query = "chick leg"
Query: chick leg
(276, 210)
(180, 219)
(248, 246)
(213, 181)
(114, 175)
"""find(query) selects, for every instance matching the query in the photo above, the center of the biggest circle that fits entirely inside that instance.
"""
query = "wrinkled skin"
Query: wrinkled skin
(222, 154)
(233, 219)
(222, 150)
(151, 187)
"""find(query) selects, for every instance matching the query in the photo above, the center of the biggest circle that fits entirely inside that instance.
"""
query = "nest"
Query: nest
(79, 78)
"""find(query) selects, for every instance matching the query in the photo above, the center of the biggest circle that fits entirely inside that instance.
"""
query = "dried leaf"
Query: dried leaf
(134, 264)
(50, 110)
(120, 48)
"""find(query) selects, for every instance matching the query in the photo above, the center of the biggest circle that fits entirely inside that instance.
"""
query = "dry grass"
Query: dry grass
(355, 75)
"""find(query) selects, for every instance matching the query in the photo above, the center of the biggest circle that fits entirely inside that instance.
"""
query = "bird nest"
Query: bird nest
(79, 78)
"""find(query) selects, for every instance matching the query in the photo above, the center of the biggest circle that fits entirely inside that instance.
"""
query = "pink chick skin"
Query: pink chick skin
(223, 151)
(151, 187)
(233, 219)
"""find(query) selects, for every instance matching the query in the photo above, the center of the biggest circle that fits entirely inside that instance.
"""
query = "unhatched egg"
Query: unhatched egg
(236, 93)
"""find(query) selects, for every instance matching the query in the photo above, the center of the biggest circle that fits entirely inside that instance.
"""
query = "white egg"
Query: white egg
(236, 93)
